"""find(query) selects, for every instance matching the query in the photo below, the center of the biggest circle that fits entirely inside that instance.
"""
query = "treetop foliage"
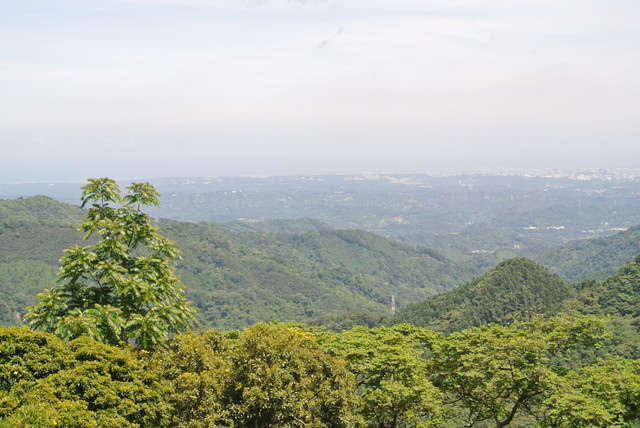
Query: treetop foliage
(45, 381)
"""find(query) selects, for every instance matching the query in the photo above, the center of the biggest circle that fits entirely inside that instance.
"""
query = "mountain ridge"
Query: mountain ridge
(238, 278)
(512, 289)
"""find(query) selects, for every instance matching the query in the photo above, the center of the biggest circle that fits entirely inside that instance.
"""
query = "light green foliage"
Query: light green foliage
(606, 394)
(45, 381)
(347, 320)
(122, 288)
(196, 369)
(391, 372)
(495, 371)
(282, 378)
(270, 375)
(278, 375)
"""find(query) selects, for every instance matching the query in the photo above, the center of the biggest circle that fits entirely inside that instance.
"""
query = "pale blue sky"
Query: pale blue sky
(148, 88)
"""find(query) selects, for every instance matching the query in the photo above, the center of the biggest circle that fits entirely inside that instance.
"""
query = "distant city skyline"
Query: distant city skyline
(575, 174)
(161, 88)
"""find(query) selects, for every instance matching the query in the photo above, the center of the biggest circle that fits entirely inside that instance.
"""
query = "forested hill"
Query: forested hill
(619, 298)
(514, 288)
(235, 278)
(239, 278)
(33, 233)
(337, 276)
(595, 258)
(520, 288)
(38, 209)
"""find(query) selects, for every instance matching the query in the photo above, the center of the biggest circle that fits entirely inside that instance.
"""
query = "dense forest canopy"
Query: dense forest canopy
(237, 278)
(483, 345)
(510, 291)
(524, 374)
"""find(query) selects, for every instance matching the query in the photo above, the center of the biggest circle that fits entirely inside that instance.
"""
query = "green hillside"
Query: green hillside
(239, 278)
(39, 209)
(520, 288)
(619, 298)
(595, 258)
(590, 258)
(33, 233)
(514, 288)
(621, 292)
(336, 277)
(236, 278)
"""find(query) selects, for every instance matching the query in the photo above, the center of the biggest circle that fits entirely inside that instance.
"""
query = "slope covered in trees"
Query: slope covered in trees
(595, 258)
(513, 289)
(33, 233)
(40, 209)
(592, 258)
(321, 276)
(238, 278)
(618, 297)
(520, 289)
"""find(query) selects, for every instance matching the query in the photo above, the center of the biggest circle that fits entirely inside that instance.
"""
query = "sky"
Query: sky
(169, 88)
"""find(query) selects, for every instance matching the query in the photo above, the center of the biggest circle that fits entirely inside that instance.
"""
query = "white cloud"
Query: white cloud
(347, 71)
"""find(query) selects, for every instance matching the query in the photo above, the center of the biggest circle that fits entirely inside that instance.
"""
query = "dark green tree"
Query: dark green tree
(122, 288)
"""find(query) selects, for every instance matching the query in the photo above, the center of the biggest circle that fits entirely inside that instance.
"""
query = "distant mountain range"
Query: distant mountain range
(461, 213)
(236, 278)
(241, 273)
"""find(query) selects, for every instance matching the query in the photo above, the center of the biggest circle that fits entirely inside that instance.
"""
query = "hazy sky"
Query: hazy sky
(148, 88)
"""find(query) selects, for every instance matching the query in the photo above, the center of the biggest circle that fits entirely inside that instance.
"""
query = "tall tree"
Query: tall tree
(122, 288)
